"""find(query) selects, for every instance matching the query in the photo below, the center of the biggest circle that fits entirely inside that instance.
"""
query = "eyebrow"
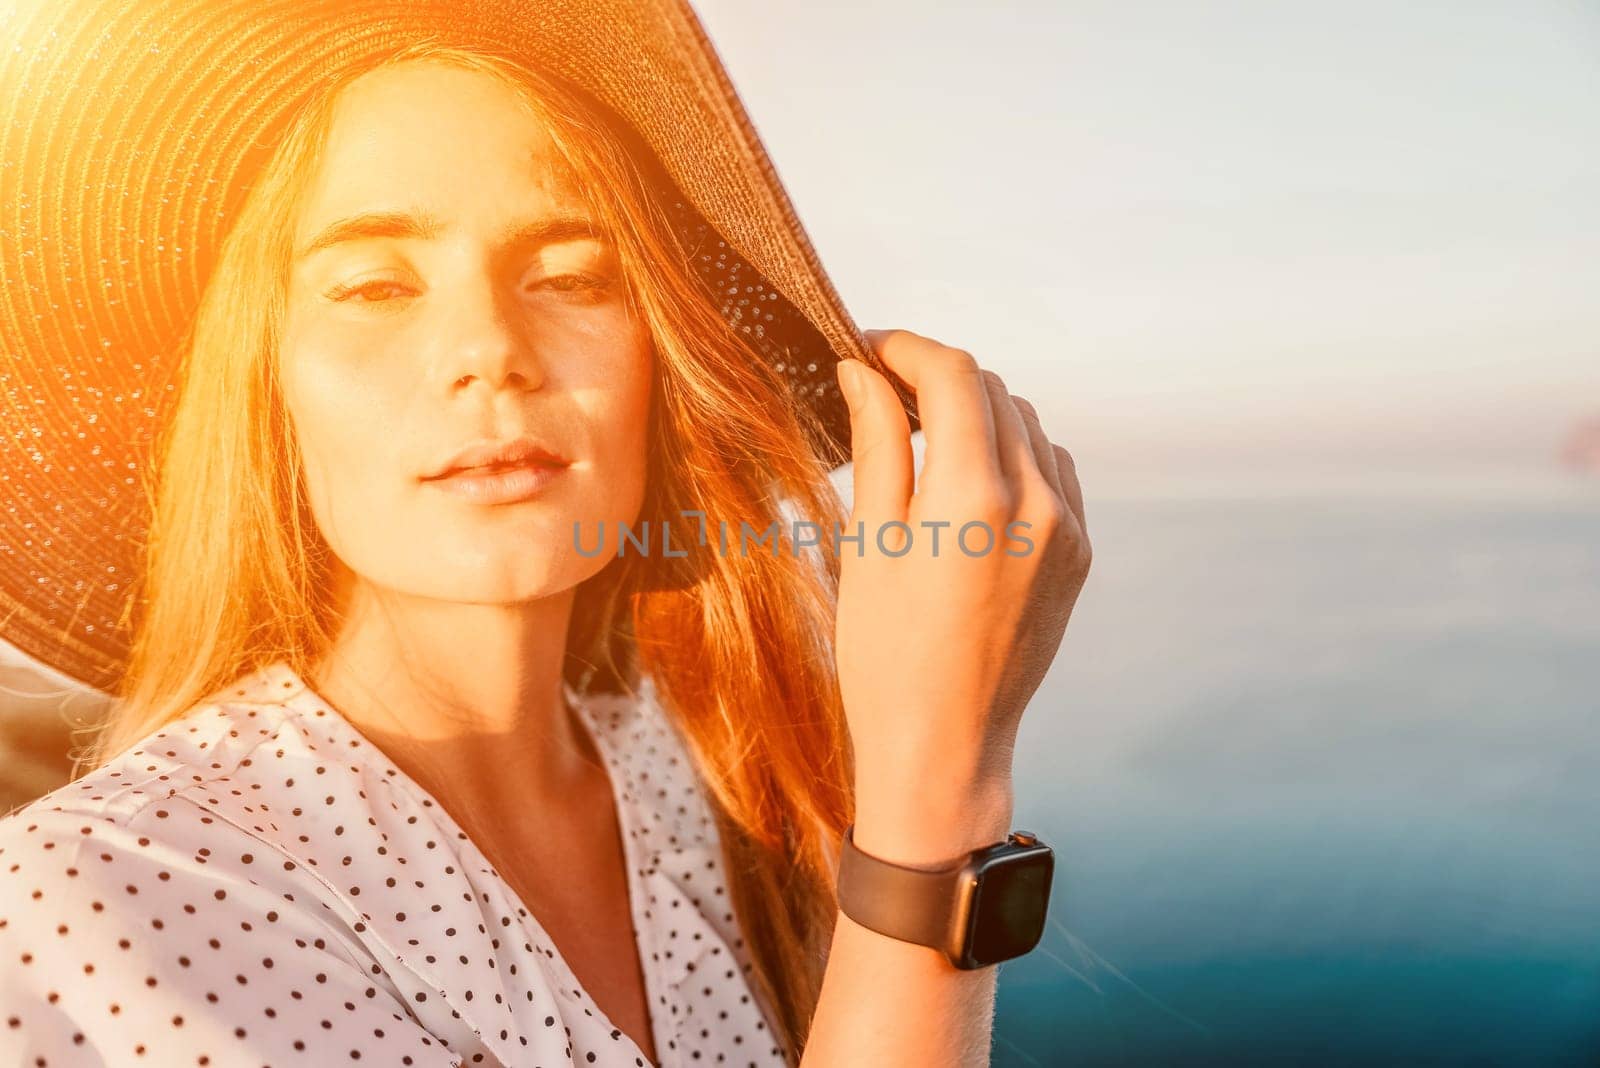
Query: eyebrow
(423, 226)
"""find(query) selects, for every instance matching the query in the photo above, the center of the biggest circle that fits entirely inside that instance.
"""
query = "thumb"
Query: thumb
(880, 446)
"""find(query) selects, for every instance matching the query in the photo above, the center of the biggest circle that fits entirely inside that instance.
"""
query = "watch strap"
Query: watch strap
(909, 904)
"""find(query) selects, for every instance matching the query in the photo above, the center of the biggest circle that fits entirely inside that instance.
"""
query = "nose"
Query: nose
(484, 338)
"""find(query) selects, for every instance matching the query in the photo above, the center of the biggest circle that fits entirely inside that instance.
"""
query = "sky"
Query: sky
(1212, 235)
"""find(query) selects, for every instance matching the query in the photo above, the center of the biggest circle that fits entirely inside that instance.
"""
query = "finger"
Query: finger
(1069, 483)
(1043, 455)
(1012, 446)
(880, 445)
(957, 424)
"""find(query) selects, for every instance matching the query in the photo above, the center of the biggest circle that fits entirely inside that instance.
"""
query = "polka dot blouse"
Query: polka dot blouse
(258, 884)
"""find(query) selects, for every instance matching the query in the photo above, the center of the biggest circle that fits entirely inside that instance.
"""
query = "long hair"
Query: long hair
(235, 572)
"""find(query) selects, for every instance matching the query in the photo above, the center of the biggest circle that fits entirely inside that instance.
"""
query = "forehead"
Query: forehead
(460, 143)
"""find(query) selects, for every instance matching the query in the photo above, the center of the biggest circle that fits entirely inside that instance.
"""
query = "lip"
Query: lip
(508, 485)
(486, 452)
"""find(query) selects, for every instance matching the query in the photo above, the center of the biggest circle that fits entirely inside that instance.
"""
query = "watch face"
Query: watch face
(1009, 905)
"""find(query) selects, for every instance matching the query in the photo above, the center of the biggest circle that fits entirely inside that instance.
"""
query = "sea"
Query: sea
(1320, 762)
(1319, 759)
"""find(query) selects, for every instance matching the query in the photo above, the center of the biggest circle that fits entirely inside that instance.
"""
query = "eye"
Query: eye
(365, 290)
(579, 283)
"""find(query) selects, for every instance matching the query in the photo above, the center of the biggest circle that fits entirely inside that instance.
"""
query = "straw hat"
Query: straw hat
(129, 132)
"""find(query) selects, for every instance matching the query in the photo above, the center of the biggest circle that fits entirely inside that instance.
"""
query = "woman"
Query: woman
(404, 771)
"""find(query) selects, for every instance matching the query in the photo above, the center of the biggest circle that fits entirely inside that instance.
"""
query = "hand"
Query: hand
(938, 655)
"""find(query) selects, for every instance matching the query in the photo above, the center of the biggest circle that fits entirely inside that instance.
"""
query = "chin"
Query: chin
(486, 589)
(521, 573)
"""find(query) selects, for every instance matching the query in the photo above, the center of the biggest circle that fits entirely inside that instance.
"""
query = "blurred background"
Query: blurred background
(1309, 291)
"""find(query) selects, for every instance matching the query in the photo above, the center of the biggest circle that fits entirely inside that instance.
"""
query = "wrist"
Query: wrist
(930, 827)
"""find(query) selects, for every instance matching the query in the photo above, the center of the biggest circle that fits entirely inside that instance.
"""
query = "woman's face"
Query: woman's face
(470, 312)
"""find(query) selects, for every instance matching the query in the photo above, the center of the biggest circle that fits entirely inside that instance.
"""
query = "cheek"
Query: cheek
(620, 403)
(343, 425)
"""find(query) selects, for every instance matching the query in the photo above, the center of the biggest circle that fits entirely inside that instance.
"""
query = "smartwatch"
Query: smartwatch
(980, 909)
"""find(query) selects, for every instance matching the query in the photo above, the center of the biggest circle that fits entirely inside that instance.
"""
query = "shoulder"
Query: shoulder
(157, 790)
(121, 942)
(224, 772)
(153, 909)
(181, 825)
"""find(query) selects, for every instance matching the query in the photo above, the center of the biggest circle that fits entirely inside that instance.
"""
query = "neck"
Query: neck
(466, 698)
